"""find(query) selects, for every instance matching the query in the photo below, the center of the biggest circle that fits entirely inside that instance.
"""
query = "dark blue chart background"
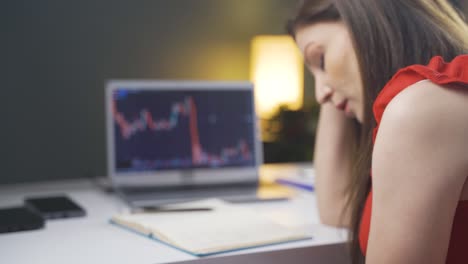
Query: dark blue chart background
(224, 118)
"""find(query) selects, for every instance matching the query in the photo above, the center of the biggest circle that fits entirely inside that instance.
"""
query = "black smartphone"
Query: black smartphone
(54, 207)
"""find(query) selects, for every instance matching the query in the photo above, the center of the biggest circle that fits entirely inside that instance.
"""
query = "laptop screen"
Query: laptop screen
(182, 129)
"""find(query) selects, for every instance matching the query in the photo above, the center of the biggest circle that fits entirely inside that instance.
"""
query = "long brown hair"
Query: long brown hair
(387, 36)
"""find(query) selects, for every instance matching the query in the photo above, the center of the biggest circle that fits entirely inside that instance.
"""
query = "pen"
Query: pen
(149, 209)
(304, 186)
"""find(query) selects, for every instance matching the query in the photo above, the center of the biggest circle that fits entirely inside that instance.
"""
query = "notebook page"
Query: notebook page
(227, 227)
(224, 230)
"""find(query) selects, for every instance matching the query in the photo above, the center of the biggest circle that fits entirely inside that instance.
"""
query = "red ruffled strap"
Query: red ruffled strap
(438, 71)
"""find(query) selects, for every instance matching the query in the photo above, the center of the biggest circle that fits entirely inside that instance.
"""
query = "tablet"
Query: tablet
(15, 219)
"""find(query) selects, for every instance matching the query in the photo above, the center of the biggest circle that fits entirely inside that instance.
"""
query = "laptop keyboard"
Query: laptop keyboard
(159, 195)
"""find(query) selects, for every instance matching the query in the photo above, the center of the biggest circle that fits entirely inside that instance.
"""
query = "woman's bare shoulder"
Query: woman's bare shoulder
(419, 167)
(425, 98)
(431, 113)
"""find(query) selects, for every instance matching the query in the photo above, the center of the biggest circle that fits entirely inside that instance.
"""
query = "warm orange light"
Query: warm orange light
(277, 73)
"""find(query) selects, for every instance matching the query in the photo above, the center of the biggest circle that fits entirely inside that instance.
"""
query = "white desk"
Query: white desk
(93, 240)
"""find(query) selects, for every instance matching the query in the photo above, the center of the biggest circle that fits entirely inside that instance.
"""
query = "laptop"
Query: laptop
(177, 141)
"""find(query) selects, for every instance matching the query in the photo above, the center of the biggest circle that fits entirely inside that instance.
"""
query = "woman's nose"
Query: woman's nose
(323, 93)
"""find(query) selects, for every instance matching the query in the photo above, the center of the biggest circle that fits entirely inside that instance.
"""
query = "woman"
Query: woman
(391, 155)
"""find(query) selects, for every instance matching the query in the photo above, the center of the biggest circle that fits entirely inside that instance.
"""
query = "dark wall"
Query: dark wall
(56, 56)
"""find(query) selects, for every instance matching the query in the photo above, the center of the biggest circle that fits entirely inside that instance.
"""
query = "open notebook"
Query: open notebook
(226, 228)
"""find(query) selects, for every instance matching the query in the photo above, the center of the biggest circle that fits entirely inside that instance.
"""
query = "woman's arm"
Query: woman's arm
(420, 164)
(332, 164)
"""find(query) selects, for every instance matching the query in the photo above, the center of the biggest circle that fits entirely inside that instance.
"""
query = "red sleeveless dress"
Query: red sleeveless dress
(442, 73)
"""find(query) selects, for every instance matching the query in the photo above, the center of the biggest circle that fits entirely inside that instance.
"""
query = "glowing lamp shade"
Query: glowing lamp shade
(277, 73)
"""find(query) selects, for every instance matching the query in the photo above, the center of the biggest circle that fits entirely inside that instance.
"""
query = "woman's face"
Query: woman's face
(330, 57)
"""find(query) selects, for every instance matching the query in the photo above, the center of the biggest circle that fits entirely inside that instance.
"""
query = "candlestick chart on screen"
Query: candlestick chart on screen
(163, 130)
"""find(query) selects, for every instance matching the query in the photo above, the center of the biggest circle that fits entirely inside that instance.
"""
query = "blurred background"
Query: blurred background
(57, 55)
